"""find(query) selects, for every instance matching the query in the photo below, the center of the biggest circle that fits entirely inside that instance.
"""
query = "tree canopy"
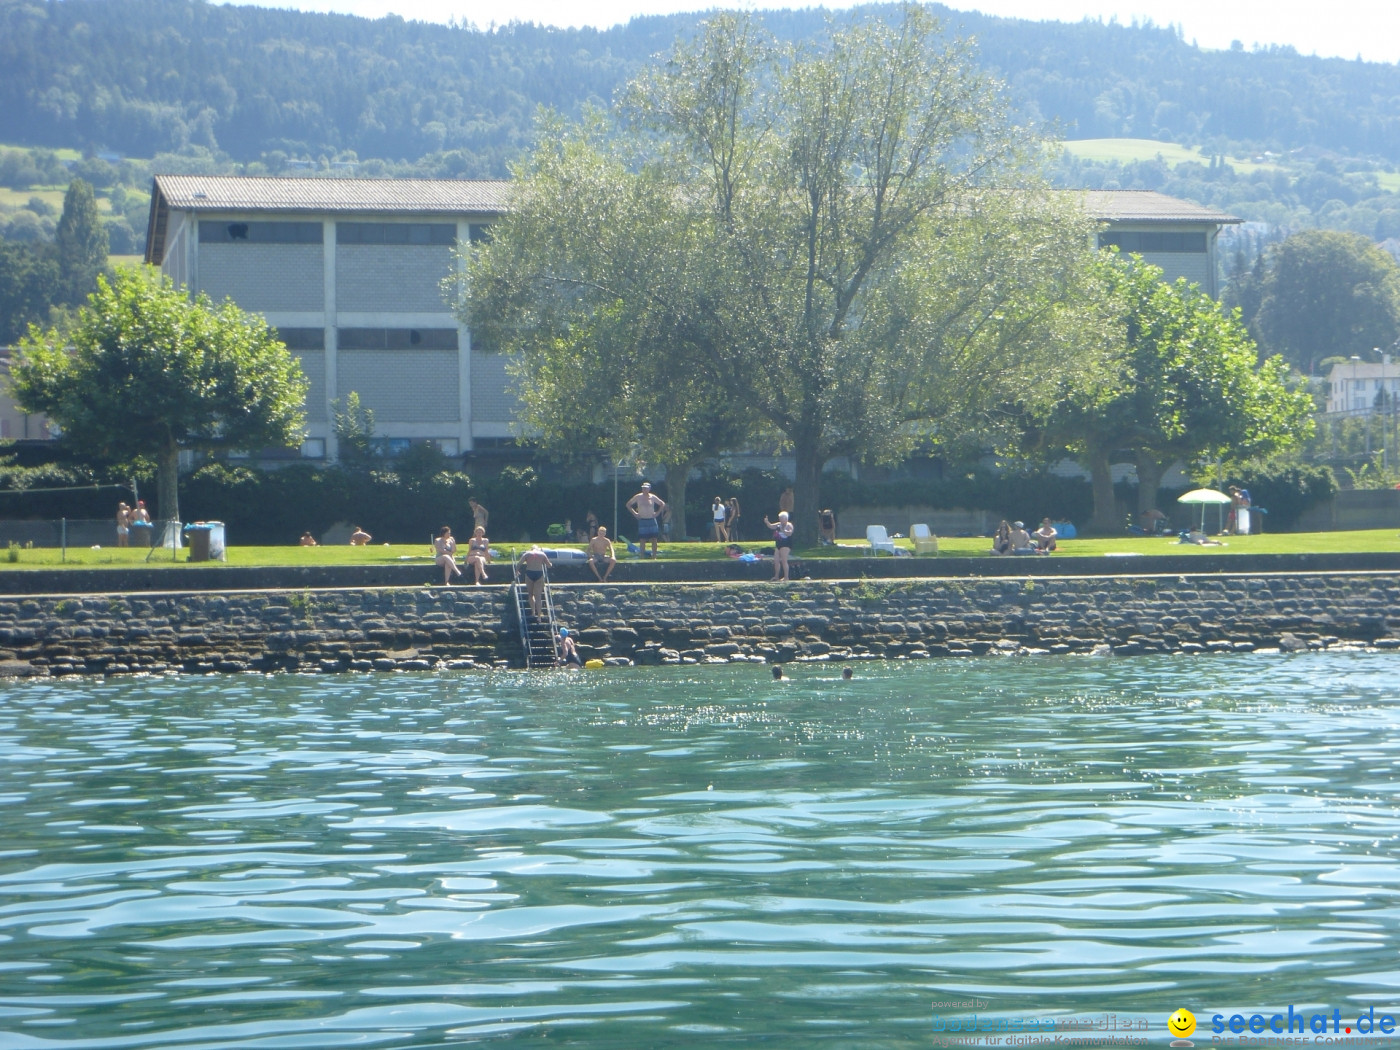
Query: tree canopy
(145, 372)
(821, 235)
(1328, 294)
(1187, 384)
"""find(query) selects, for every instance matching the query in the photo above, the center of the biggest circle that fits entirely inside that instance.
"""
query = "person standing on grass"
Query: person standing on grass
(782, 544)
(731, 519)
(719, 512)
(646, 508)
(480, 515)
(445, 548)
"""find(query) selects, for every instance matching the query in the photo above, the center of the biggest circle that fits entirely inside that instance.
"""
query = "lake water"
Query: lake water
(689, 857)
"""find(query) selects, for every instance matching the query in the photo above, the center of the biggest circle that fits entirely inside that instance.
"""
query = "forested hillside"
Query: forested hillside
(146, 76)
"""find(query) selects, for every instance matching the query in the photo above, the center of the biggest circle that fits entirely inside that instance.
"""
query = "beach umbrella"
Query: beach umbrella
(1204, 497)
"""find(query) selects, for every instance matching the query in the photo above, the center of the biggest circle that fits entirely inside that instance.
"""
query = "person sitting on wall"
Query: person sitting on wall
(359, 537)
(601, 555)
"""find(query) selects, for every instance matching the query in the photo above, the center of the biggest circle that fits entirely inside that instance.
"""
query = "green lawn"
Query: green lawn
(1125, 151)
(1361, 541)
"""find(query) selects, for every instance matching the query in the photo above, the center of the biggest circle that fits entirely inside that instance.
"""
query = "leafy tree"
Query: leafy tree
(29, 286)
(1187, 385)
(145, 371)
(821, 234)
(1328, 293)
(81, 240)
(354, 433)
(601, 368)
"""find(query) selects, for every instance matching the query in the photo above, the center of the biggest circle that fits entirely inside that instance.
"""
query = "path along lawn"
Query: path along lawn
(1361, 541)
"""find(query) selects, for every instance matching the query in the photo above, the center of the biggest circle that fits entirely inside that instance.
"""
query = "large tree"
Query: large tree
(821, 236)
(145, 372)
(81, 240)
(1326, 294)
(1187, 384)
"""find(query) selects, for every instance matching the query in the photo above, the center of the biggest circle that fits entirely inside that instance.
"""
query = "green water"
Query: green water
(693, 856)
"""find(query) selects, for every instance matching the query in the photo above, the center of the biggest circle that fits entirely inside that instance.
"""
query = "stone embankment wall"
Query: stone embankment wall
(469, 627)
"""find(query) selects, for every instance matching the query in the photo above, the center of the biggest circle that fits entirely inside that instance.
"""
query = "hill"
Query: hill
(144, 76)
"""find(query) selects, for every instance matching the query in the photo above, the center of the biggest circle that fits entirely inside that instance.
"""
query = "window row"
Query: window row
(439, 233)
(371, 338)
(1128, 241)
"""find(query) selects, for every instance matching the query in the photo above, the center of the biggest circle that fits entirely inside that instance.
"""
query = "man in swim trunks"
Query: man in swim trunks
(601, 554)
(647, 508)
(535, 561)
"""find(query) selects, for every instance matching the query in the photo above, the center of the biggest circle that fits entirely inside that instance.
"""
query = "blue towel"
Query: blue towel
(632, 548)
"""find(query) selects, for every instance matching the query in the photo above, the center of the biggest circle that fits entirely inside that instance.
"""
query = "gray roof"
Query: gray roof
(266, 193)
(206, 193)
(1148, 206)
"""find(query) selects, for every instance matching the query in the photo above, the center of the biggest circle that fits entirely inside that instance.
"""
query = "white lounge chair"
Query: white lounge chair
(878, 539)
(925, 542)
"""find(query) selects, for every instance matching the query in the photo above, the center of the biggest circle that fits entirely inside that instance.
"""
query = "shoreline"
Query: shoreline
(638, 623)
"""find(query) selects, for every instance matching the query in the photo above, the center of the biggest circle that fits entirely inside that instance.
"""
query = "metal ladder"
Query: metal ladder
(539, 638)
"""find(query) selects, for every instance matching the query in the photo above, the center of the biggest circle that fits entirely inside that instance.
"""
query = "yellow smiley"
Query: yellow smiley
(1182, 1023)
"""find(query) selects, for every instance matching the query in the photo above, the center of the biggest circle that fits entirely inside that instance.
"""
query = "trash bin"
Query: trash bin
(199, 534)
(142, 533)
(216, 540)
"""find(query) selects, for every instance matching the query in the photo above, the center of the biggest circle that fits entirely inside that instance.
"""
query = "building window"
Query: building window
(303, 338)
(395, 233)
(479, 232)
(1128, 241)
(313, 448)
(261, 233)
(397, 339)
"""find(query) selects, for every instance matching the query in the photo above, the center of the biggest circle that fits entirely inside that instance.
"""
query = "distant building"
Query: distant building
(14, 424)
(350, 271)
(1174, 234)
(1356, 387)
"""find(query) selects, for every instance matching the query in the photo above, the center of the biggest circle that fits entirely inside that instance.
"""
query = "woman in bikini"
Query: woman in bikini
(445, 548)
(782, 544)
(479, 554)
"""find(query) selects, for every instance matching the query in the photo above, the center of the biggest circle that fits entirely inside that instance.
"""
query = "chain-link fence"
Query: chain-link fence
(161, 537)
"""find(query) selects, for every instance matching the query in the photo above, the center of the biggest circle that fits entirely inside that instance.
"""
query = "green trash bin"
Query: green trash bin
(198, 535)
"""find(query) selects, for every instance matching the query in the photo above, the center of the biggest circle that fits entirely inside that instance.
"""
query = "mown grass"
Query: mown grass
(1126, 151)
(1356, 542)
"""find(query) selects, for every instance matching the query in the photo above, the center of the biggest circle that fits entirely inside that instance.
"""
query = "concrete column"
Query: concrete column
(464, 350)
(330, 322)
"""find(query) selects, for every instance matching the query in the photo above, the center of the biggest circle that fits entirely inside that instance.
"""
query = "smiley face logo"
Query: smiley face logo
(1182, 1023)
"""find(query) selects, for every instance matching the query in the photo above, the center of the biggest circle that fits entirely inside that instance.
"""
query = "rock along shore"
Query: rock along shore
(420, 628)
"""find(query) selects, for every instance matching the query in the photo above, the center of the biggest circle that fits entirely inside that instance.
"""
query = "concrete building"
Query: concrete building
(1174, 234)
(350, 273)
(1355, 387)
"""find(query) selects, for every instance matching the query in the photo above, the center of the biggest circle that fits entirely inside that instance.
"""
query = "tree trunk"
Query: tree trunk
(807, 494)
(677, 477)
(1105, 502)
(1149, 472)
(168, 484)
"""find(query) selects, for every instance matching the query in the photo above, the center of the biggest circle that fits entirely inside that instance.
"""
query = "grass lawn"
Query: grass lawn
(1125, 151)
(1361, 541)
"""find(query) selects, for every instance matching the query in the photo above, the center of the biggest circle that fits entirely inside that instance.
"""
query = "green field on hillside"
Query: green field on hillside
(1129, 548)
(1126, 151)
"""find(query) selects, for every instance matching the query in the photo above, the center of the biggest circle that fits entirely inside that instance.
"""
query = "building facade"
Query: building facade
(1359, 387)
(351, 273)
(1174, 234)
